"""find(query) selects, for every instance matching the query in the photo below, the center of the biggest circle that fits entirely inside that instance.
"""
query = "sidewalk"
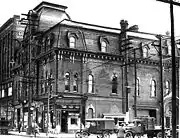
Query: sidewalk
(43, 135)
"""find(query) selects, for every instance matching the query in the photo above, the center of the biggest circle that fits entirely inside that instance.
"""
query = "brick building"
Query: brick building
(76, 70)
(11, 33)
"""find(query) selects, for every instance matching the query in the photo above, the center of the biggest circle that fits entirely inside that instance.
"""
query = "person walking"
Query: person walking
(36, 129)
(19, 126)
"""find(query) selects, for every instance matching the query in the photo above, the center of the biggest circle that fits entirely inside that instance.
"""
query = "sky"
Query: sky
(151, 16)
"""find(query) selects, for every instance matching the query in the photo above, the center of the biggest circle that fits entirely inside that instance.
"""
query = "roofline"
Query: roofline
(104, 27)
(9, 21)
(57, 6)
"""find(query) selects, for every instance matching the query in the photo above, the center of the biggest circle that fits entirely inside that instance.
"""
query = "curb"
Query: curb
(37, 136)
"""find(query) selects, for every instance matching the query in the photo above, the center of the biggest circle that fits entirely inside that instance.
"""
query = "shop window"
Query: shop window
(114, 83)
(153, 88)
(75, 83)
(67, 81)
(73, 121)
(90, 83)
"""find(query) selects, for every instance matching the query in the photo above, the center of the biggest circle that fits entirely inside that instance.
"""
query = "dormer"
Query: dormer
(50, 14)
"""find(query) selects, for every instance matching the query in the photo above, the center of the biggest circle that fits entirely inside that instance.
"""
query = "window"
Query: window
(90, 113)
(137, 87)
(51, 79)
(153, 88)
(75, 83)
(169, 49)
(46, 85)
(103, 46)
(90, 83)
(10, 91)
(114, 83)
(73, 121)
(67, 81)
(2, 94)
(145, 52)
(72, 41)
(167, 87)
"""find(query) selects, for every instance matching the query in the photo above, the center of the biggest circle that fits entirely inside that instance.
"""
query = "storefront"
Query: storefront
(64, 115)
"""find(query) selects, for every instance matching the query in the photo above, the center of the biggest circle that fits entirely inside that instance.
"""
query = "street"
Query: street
(12, 136)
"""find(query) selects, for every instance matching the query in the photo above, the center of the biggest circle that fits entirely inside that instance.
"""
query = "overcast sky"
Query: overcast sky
(150, 15)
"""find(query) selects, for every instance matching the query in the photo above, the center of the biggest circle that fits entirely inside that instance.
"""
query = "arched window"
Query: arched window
(153, 88)
(167, 87)
(75, 83)
(67, 81)
(114, 83)
(169, 49)
(72, 41)
(145, 52)
(90, 83)
(103, 46)
(90, 113)
(137, 87)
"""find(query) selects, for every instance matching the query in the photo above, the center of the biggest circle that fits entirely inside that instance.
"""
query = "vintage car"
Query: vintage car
(4, 126)
(99, 126)
(143, 126)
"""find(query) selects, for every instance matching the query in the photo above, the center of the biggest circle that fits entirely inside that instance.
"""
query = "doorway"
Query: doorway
(152, 113)
(64, 123)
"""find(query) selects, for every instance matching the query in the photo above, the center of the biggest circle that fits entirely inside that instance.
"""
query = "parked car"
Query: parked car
(4, 126)
(98, 126)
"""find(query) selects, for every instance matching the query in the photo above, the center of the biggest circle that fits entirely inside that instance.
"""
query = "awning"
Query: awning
(114, 115)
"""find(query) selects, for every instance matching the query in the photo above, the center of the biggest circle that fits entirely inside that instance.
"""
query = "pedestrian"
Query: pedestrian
(19, 126)
(36, 129)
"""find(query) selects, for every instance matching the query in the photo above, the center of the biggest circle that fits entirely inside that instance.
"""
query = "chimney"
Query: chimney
(124, 25)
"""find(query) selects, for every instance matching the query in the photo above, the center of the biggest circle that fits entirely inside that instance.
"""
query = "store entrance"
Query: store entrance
(64, 123)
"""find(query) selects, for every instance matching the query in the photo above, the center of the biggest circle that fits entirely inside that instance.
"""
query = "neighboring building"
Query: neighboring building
(11, 32)
(77, 70)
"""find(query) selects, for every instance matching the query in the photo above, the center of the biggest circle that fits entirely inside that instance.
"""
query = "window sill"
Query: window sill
(113, 94)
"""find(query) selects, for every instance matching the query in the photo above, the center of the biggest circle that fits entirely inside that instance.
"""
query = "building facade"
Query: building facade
(67, 71)
(11, 33)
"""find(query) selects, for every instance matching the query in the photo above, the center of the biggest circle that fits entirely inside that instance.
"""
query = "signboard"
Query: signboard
(68, 102)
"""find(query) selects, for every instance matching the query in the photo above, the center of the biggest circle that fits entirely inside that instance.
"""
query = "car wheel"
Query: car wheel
(159, 135)
(128, 135)
(106, 135)
(78, 135)
(84, 135)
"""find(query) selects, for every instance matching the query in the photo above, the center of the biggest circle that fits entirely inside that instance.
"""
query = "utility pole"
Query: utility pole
(30, 18)
(161, 82)
(135, 87)
(174, 124)
(125, 42)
